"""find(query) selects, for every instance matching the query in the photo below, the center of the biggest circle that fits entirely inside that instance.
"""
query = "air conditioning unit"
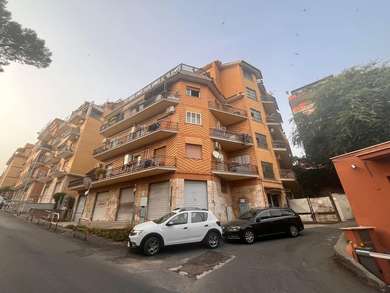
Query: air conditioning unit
(170, 110)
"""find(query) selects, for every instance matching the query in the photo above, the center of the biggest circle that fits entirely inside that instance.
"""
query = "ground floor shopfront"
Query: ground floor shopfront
(152, 197)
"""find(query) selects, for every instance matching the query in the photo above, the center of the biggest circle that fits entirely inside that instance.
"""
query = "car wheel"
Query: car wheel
(213, 239)
(249, 236)
(293, 231)
(152, 246)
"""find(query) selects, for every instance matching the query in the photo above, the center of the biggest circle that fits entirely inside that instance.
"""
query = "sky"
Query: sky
(106, 50)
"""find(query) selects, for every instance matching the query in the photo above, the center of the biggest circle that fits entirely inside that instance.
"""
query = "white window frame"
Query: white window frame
(189, 91)
(193, 118)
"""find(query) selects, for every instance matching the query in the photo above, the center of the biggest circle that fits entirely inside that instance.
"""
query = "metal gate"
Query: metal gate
(159, 200)
(126, 205)
(99, 212)
(195, 194)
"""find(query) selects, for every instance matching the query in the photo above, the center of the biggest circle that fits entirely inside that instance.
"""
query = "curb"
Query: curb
(356, 268)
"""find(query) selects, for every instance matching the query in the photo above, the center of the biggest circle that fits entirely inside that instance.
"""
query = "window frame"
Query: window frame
(199, 212)
(192, 144)
(249, 91)
(176, 216)
(257, 112)
(193, 119)
(264, 147)
(263, 164)
(189, 90)
(248, 75)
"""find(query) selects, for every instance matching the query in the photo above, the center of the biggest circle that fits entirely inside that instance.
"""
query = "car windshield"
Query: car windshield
(248, 215)
(164, 218)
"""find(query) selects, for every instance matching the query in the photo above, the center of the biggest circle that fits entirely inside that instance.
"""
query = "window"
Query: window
(250, 93)
(197, 217)
(261, 141)
(194, 151)
(179, 219)
(268, 170)
(276, 213)
(108, 170)
(242, 160)
(194, 118)
(126, 159)
(256, 115)
(247, 74)
(264, 215)
(192, 92)
(287, 213)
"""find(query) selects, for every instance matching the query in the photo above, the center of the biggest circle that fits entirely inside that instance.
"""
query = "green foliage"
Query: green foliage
(113, 234)
(352, 111)
(19, 44)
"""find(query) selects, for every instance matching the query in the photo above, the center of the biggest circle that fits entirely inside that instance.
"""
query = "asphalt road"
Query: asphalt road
(35, 260)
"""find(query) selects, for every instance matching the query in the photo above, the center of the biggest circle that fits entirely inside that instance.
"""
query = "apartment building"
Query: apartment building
(206, 137)
(15, 165)
(62, 153)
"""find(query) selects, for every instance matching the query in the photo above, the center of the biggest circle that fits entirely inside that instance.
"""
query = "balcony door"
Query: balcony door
(159, 154)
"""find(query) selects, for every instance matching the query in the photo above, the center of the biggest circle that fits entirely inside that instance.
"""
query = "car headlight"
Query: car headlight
(233, 228)
(135, 232)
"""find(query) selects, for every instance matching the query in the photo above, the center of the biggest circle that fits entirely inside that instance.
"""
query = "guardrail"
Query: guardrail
(238, 137)
(235, 168)
(227, 108)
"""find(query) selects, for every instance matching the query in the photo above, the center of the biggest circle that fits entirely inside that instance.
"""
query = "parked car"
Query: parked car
(2, 201)
(262, 222)
(177, 227)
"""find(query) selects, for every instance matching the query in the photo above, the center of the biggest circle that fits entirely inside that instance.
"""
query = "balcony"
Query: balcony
(227, 114)
(231, 141)
(141, 136)
(45, 146)
(133, 170)
(268, 99)
(279, 145)
(274, 118)
(65, 152)
(234, 171)
(287, 175)
(57, 172)
(140, 112)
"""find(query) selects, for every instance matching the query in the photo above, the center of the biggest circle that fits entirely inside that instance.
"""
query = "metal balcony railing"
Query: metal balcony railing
(268, 98)
(76, 182)
(135, 110)
(287, 174)
(274, 118)
(234, 167)
(233, 136)
(139, 132)
(227, 108)
(279, 144)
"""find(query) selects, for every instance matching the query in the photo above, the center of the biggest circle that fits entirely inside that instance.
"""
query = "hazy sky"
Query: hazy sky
(104, 50)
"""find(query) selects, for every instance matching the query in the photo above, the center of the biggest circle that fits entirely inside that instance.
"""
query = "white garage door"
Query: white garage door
(195, 194)
(159, 200)
(99, 212)
(126, 205)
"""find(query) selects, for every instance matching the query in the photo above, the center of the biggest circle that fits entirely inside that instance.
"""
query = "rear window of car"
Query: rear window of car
(288, 213)
(197, 217)
(264, 214)
(276, 213)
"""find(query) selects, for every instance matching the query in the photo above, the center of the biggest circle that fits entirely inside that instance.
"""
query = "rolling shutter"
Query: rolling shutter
(80, 207)
(195, 194)
(159, 200)
(126, 205)
(99, 212)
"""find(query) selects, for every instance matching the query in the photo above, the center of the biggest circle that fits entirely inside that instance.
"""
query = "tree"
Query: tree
(352, 111)
(19, 44)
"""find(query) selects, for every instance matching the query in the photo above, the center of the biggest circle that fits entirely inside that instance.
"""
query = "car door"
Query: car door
(263, 223)
(278, 221)
(199, 226)
(175, 230)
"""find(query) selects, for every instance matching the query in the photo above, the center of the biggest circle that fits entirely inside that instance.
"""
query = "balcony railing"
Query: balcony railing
(135, 110)
(227, 108)
(279, 144)
(274, 118)
(233, 167)
(233, 136)
(65, 152)
(287, 174)
(138, 133)
(45, 146)
(136, 166)
(268, 98)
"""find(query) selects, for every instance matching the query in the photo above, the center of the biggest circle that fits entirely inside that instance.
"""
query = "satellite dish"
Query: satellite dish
(218, 155)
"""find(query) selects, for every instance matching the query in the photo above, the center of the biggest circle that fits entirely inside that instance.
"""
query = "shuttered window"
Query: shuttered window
(261, 141)
(193, 151)
(256, 115)
(250, 93)
(268, 170)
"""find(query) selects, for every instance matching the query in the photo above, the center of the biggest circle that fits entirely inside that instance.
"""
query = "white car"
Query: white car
(180, 226)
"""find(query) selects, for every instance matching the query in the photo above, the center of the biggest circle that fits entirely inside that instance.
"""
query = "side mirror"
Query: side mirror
(170, 223)
(258, 220)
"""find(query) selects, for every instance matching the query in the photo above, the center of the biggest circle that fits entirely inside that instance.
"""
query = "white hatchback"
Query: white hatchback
(180, 226)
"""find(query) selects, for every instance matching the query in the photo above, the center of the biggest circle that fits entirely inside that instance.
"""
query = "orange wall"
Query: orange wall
(368, 190)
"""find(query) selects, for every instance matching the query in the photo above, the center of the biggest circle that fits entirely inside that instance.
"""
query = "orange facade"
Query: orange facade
(212, 130)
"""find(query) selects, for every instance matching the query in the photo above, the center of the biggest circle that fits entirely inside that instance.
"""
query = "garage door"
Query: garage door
(159, 200)
(195, 194)
(80, 208)
(99, 212)
(126, 205)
